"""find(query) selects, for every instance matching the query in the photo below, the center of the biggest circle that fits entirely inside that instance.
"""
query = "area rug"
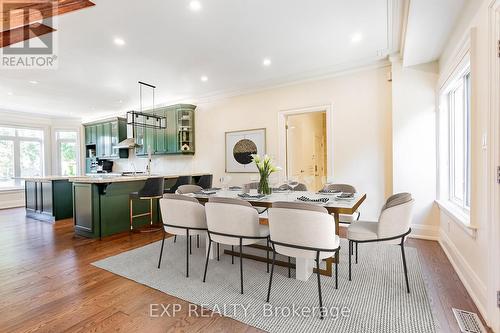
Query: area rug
(374, 301)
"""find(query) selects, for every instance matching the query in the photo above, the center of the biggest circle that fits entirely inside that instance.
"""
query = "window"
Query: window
(67, 152)
(21, 154)
(459, 141)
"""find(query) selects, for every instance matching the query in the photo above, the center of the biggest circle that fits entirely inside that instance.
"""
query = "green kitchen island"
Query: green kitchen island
(48, 198)
(101, 204)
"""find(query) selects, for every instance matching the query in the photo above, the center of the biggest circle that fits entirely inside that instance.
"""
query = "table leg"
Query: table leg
(303, 268)
(336, 216)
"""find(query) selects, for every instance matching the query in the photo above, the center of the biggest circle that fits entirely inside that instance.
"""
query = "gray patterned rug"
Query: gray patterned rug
(374, 301)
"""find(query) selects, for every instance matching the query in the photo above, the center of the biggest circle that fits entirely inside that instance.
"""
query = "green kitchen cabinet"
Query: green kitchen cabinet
(176, 139)
(185, 129)
(90, 135)
(48, 199)
(100, 141)
(103, 136)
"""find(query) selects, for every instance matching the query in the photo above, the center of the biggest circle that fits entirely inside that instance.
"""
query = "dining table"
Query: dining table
(333, 202)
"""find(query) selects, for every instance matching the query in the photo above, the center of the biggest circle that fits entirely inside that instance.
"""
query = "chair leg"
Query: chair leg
(161, 251)
(319, 286)
(267, 255)
(206, 262)
(356, 252)
(241, 264)
(350, 255)
(188, 241)
(198, 241)
(289, 269)
(151, 211)
(404, 266)
(190, 246)
(175, 238)
(232, 254)
(337, 272)
(271, 277)
(218, 252)
(131, 215)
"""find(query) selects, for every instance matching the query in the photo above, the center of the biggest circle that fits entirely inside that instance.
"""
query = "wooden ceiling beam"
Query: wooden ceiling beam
(20, 34)
(20, 15)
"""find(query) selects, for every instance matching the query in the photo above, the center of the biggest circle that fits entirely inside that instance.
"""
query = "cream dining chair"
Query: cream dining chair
(392, 227)
(186, 189)
(182, 215)
(233, 222)
(303, 230)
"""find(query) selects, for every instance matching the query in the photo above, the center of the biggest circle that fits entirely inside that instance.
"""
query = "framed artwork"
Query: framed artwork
(240, 145)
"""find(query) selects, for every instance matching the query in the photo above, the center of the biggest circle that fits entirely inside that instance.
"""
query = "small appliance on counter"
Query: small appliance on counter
(101, 166)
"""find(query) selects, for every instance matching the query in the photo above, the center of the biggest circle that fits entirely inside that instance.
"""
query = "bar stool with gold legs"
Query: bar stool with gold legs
(152, 190)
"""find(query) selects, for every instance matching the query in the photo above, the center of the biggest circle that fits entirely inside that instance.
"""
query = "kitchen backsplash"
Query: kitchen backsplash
(164, 164)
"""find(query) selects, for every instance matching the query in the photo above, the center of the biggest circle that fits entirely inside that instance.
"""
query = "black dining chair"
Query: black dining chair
(152, 190)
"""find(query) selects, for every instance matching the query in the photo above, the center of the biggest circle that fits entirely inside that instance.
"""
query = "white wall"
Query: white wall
(470, 252)
(15, 198)
(414, 141)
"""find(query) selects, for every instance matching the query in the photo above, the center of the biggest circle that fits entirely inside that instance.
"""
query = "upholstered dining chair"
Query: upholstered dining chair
(186, 189)
(286, 187)
(345, 188)
(393, 226)
(233, 222)
(182, 215)
(303, 230)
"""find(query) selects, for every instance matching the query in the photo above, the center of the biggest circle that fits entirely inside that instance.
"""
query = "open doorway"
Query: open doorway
(306, 148)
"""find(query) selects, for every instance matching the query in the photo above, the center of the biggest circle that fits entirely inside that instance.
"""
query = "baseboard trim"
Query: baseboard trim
(425, 232)
(465, 273)
(11, 204)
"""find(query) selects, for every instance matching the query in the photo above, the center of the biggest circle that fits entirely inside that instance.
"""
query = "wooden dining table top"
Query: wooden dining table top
(333, 206)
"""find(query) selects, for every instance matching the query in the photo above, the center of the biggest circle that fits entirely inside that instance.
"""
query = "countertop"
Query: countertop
(45, 178)
(100, 179)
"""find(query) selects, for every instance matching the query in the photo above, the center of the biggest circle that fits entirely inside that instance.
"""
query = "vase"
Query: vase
(264, 185)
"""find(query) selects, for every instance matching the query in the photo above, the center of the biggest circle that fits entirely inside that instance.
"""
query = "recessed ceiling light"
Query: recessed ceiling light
(195, 5)
(356, 38)
(119, 41)
(266, 62)
(10, 93)
(204, 78)
(33, 82)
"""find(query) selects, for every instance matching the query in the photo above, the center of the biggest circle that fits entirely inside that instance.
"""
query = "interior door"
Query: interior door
(306, 148)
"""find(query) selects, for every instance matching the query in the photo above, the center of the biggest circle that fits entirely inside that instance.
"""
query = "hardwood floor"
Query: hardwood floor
(48, 285)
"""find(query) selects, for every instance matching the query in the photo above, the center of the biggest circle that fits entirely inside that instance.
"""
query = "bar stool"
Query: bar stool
(181, 180)
(205, 181)
(152, 189)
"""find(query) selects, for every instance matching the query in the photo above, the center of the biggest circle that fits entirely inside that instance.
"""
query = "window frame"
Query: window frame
(58, 143)
(17, 149)
(463, 77)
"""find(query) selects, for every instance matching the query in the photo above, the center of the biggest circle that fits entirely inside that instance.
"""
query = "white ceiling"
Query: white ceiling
(429, 25)
(171, 46)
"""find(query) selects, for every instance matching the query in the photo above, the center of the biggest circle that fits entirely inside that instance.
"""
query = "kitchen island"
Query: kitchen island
(48, 198)
(101, 204)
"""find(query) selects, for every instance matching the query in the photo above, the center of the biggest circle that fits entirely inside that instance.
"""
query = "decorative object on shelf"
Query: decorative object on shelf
(142, 119)
(266, 168)
(240, 146)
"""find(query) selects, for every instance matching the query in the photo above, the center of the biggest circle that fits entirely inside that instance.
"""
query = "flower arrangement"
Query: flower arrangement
(266, 168)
